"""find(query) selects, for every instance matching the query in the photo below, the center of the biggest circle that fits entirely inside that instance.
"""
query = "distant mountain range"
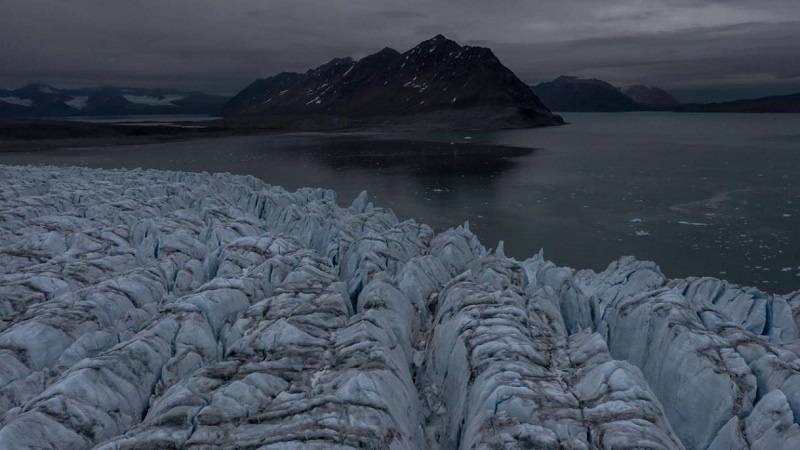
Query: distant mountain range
(570, 94)
(41, 100)
(438, 83)
(773, 104)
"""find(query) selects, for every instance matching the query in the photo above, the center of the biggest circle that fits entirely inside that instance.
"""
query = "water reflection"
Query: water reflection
(421, 158)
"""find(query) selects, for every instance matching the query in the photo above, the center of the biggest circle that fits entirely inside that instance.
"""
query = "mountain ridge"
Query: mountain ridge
(574, 94)
(436, 83)
(650, 95)
(41, 100)
(771, 104)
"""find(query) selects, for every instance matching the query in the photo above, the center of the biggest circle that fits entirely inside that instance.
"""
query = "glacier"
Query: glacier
(147, 309)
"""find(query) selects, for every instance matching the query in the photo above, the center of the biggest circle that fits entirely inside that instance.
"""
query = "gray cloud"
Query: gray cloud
(711, 48)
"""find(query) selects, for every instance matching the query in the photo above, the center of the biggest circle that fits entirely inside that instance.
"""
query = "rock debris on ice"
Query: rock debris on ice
(146, 309)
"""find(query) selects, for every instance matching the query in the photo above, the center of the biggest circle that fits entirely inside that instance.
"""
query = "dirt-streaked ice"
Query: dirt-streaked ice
(145, 309)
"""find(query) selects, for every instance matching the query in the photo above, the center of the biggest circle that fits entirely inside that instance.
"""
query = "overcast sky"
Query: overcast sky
(698, 49)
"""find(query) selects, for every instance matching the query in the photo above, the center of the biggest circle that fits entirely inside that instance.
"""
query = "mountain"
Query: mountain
(41, 100)
(438, 83)
(580, 94)
(652, 96)
(34, 100)
(567, 93)
(772, 104)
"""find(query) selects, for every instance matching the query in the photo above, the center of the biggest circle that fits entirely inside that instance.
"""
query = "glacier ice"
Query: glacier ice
(147, 309)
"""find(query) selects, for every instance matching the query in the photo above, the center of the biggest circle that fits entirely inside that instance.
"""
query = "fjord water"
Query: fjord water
(700, 194)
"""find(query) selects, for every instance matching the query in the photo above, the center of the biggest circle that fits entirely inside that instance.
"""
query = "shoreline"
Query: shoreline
(22, 135)
(34, 135)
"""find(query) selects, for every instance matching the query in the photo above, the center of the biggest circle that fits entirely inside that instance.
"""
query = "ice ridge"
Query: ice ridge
(146, 309)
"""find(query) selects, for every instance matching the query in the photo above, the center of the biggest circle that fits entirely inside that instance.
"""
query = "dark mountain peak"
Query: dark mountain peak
(564, 79)
(386, 51)
(467, 86)
(382, 59)
(567, 93)
(439, 39)
(568, 80)
(437, 44)
(36, 88)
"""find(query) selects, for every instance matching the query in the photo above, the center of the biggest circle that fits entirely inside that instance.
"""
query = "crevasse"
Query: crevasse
(144, 309)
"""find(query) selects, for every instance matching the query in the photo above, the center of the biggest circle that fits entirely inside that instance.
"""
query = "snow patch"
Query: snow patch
(78, 102)
(17, 101)
(348, 70)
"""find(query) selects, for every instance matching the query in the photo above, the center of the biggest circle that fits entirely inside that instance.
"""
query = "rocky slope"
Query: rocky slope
(591, 95)
(147, 309)
(436, 83)
(40, 100)
(652, 96)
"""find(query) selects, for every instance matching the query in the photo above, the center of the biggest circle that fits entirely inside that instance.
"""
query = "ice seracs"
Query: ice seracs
(146, 309)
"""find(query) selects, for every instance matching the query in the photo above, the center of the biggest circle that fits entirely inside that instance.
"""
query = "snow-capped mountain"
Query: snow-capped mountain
(41, 100)
(438, 81)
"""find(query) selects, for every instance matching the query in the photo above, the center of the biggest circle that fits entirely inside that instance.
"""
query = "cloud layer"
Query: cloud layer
(701, 49)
